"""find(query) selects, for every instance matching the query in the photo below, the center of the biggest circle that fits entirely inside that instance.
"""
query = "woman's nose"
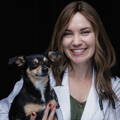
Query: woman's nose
(77, 40)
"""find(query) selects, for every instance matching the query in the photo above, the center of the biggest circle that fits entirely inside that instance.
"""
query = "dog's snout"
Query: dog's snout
(44, 69)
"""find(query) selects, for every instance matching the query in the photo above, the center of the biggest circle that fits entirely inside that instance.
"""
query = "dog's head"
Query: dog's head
(38, 65)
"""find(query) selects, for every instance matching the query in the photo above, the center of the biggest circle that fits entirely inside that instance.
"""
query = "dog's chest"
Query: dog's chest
(41, 86)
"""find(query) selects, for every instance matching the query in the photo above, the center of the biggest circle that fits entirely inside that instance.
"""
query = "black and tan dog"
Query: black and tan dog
(36, 92)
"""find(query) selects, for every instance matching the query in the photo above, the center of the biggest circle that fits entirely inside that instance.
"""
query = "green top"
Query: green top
(76, 108)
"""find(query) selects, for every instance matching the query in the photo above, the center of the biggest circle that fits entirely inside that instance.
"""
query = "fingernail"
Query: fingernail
(57, 107)
(49, 105)
(33, 113)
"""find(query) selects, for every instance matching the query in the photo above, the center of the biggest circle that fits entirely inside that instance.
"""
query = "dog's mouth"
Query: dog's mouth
(38, 73)
(41, 75)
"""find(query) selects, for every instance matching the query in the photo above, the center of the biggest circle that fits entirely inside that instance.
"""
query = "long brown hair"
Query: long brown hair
(104, 57)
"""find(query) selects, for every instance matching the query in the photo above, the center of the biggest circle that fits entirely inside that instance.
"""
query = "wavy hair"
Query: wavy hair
(104, 58)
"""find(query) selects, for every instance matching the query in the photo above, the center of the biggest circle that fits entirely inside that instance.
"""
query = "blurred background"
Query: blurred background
(27, 27)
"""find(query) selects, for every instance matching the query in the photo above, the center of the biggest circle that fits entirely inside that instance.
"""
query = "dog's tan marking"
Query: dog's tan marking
(20, 61)
(45, 59)
(29, 108)
(36, 60)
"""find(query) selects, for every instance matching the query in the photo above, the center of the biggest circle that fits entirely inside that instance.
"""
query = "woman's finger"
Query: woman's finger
(52, 114)
(33, 116)
(46, 112)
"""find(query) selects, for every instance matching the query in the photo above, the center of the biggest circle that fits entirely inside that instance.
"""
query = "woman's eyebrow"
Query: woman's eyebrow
(85, 28)
(67, 30)
(81, 29)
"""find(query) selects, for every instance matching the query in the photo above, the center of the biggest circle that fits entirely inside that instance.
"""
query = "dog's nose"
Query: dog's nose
(45, 70)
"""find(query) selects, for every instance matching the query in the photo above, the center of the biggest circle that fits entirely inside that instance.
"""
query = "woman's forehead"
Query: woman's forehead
(80, 21)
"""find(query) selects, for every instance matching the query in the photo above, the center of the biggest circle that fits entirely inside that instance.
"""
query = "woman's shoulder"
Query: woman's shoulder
(116, 85)
(115, 81)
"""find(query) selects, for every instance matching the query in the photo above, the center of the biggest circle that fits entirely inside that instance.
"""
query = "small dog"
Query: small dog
(36, 91)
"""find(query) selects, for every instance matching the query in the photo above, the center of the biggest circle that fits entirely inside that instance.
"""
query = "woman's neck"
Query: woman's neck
(81, 72)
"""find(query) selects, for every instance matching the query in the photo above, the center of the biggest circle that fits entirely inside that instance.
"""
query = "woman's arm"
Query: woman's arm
(5, 103)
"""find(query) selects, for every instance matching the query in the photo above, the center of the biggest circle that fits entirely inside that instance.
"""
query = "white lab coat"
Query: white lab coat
(91, 111)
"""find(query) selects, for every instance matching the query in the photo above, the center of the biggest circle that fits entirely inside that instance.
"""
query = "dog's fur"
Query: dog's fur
(35, 93)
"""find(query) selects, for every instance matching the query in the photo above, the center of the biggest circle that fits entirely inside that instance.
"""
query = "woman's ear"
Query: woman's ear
(17, 60)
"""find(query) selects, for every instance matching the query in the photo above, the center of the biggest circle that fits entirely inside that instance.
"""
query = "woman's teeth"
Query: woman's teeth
(78, 50)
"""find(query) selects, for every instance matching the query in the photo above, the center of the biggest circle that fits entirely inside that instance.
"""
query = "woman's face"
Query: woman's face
(79, 40)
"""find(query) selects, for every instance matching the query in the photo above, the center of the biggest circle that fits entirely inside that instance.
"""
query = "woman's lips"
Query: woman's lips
(78, 51)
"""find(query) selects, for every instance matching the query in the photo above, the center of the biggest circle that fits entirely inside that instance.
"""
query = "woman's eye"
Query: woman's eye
(67, 34)
(85, 32)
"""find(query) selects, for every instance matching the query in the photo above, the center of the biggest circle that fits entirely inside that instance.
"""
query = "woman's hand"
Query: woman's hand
(50, 116)
(49, 113)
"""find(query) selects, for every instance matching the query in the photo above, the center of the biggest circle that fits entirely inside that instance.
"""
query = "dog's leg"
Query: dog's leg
(29, 108)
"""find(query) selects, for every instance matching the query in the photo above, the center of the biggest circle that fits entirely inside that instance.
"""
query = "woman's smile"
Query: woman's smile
(78, 52)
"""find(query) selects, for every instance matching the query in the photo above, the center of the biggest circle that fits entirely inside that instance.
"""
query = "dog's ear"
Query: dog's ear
(54, 55)
(17, 60)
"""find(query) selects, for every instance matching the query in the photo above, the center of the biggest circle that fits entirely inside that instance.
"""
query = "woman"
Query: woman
(82, 78)
(88, 90)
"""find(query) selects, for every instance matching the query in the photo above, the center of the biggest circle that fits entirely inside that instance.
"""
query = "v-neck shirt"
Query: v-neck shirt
(77, 108)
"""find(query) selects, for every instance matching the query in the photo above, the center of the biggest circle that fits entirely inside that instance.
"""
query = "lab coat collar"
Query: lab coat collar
(63, 94)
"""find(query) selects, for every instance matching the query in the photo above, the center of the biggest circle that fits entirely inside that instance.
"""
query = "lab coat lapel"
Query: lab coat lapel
(92, 104)
(64, 96)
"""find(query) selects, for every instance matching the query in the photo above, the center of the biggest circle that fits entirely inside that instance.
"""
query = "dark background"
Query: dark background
(27, 27)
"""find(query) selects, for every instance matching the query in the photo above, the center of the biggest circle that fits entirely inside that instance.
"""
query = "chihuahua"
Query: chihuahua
(36, 92)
